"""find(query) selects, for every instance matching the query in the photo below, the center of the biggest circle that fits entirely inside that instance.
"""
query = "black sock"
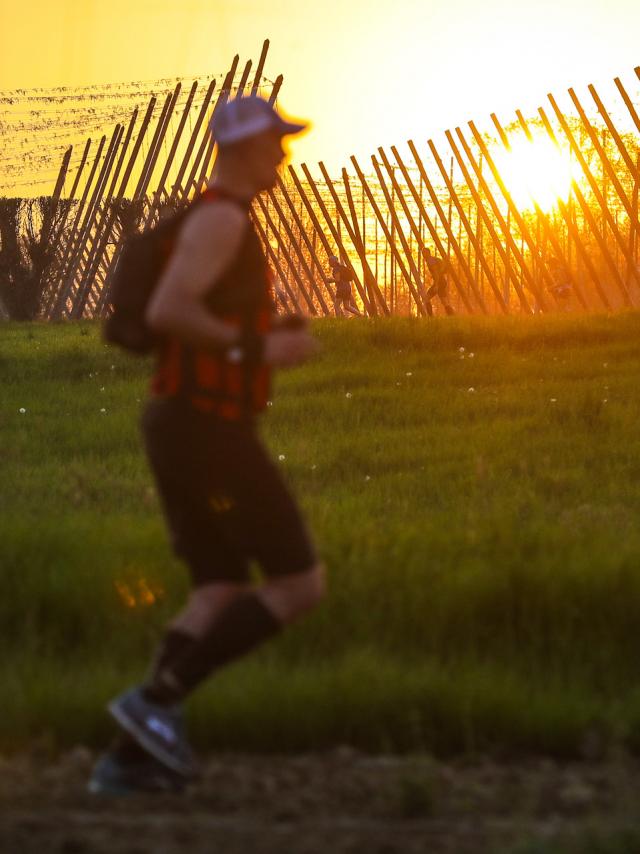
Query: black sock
(173, 645)
(243, 625)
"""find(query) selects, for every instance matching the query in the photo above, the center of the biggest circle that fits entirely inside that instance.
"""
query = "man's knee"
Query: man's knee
(314, 585)
(291, 596)
(216, 594)
(204, 605)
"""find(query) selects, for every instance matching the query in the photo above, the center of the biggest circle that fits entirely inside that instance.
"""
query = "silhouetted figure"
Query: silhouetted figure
(280, 295)
(561, 287)
(342, 276)
(226, 503)
(440, 287)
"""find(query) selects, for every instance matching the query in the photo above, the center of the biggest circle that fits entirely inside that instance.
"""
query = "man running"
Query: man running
(342, 276)
(561, 287)
(440, 287)
(225, 501)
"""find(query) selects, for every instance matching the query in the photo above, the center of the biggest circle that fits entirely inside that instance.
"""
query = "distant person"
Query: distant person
(281, 295)
(342, 276)
(633, 286)
(440, 287)
(561, 285)
(225, 502)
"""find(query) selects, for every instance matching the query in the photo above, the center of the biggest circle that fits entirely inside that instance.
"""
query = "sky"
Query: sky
(365, 73)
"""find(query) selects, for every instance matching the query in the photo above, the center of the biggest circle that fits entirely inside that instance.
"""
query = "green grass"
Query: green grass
(482, 545)
(596, 840)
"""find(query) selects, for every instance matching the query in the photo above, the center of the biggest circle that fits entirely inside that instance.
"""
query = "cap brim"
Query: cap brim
(290, 128)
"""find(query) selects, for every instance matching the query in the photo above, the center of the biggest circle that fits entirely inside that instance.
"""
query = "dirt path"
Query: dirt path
(335, 803)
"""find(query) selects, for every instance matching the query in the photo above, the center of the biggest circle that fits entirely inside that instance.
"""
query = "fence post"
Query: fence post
(276, 89)
(622, 148)
(469, 229)
(174, 147)
(103, 231)
(628, 103)
(589, 217)
(177, 184)
(207, 143)
(506, 229)
(568, 214)
(87, 221)
(595, 189)
(260, 67)
(425, 218)
(370, 280)
(413, 289)
(525, 233)
(310, 246)
(455, 243)
(422, 302)
(318, 228)
(504, 251)
(336, 236)
(285, 252)
(146, 174)
(371, 285)
(276, 263)
(92, 234)
(542, 216)
(74, 233)
(606, 165)
(633, 223)
(341, 216)
(104, 296)
(298, 250)
(49, 217)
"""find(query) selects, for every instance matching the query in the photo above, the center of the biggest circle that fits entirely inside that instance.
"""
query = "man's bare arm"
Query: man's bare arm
(207, 245)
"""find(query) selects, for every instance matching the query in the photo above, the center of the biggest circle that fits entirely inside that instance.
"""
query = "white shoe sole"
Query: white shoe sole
(149, 744)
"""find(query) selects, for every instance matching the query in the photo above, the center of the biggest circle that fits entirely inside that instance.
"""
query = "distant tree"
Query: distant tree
(128, 213)
(27, 252)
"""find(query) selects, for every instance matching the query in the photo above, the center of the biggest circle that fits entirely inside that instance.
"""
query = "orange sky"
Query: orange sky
(366, 73)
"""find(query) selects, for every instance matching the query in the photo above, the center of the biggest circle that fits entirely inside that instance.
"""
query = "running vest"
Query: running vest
(212, 384)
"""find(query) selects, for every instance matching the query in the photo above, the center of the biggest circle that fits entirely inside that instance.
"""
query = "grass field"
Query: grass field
(477, 515)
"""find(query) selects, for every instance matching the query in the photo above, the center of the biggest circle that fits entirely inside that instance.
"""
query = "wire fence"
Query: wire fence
(537, 213)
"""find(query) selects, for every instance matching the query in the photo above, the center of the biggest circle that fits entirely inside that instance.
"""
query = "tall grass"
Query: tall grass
(477, 516)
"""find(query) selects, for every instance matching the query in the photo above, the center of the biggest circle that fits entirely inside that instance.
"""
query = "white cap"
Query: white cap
(247, 116)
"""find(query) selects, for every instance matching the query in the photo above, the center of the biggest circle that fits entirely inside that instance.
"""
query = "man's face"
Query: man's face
(263, 154)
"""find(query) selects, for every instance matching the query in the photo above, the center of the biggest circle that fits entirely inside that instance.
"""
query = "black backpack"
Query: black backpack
(135, 277)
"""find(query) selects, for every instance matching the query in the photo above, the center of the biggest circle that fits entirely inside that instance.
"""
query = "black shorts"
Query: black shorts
(438, 288)
(225, 502)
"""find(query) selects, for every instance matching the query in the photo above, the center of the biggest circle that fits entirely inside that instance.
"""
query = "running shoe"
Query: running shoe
(112, 776)
(158, 729)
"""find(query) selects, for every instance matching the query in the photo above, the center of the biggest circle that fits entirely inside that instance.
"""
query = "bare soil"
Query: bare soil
(338, 802)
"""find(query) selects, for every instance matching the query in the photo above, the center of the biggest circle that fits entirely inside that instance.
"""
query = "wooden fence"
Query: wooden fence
(505, 252)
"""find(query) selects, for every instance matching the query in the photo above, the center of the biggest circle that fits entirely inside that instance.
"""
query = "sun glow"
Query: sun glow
(535, 172)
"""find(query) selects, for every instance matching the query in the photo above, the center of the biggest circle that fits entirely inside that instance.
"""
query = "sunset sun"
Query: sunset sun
(535, 172)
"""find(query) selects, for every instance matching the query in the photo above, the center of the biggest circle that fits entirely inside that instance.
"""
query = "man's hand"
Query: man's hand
(285, 349)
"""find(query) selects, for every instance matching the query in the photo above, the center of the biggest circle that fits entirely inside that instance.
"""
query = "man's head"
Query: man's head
(249, 135)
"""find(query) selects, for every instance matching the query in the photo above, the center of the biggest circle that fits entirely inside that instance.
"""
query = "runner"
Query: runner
(440, 287)
(225, 501)
(561, 288)
(342, 276)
